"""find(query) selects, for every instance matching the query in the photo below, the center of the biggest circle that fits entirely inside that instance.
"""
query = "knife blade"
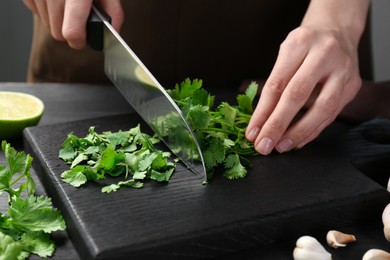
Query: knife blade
(144, 93)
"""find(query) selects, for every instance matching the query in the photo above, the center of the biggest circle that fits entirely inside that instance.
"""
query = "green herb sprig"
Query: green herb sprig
(220, 132)
(31, 219)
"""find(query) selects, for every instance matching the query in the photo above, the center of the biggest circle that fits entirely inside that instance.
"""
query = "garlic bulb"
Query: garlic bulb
(338, 239)
(386, 222)
(308, 248)
(376, 254)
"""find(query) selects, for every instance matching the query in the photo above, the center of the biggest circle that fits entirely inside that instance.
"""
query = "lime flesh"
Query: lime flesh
(18, 111)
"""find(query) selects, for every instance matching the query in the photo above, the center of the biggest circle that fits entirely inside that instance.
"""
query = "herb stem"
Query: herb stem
(213, 129)
(16, 180)
(241, 114)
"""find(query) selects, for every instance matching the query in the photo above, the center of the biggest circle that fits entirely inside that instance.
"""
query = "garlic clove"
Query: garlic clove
(386, 222)
(308, 248)
(338, 239)
(376, 254)
(386, 231)
(388, 185)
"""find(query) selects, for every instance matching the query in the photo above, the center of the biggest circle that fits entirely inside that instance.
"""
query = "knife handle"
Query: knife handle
(95, 28)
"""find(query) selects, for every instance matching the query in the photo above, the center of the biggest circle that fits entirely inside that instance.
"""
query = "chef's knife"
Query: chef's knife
(141, 89)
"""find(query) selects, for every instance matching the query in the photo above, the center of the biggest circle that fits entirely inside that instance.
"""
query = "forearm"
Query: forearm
(345, 16)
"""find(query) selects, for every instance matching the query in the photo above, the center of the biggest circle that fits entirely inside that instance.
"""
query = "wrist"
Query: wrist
(346, 17)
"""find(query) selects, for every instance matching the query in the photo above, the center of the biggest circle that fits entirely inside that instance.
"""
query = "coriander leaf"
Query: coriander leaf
(129, 148)
(10, 249)
(161, 176)
(245, 101)
(74, 176)
(203, 98)
(118, 138)
(198, 117)
(110, 188)
(244, 104)
(67, 152)
(17, 161)
(139, 175)
(251, 91)
(117, 171)
(35, 213)
(5, 176)
(234, 168)
(214, 153)
(115, 187)
(135, 131)
(38, 243)
(228, 113)
(228, 143)
(147, 161)
(160, 162)
(132, 160)
(30, 184)
(81, 157)
(131, 183)
(185, 89)
(19, 165)
(107, 160)
(91, 150)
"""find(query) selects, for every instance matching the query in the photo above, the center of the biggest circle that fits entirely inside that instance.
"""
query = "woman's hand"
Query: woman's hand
(67, 19)
(322, 53)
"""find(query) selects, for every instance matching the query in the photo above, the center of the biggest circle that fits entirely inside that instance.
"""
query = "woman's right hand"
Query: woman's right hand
(67, 19)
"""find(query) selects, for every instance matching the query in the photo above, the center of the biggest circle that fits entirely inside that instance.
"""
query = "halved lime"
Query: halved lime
(18, 111)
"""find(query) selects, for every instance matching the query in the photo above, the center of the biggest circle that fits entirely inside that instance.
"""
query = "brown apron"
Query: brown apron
(220, 41)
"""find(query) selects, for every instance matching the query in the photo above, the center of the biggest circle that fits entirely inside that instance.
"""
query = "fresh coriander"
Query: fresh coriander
(130, 154)
(31, 219)
(220, 132)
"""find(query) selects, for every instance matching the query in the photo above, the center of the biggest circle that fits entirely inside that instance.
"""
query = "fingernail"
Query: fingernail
(265, 146)
(253, 134)
(284, 146)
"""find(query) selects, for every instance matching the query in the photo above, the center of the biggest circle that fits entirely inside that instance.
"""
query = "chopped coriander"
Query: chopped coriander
(130, 154)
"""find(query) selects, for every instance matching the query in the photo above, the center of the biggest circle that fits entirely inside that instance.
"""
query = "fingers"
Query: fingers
(114, 9)
(31, 5)
(67, 18)
(324, 110)
(76, 15)
(56, 18)
(75, 19)
(284, 93)
(297, 71)
(286, 64)
(327, 106)
(275, 86)
(39, 8)
(290, 103)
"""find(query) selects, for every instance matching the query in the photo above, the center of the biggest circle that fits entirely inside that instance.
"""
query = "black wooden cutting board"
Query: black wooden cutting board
(284, 196)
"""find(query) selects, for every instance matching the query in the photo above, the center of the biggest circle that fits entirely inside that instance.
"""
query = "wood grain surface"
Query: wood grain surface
(284, 196)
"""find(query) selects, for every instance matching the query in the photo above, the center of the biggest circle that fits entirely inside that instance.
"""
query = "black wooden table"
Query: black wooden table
(65, 103)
